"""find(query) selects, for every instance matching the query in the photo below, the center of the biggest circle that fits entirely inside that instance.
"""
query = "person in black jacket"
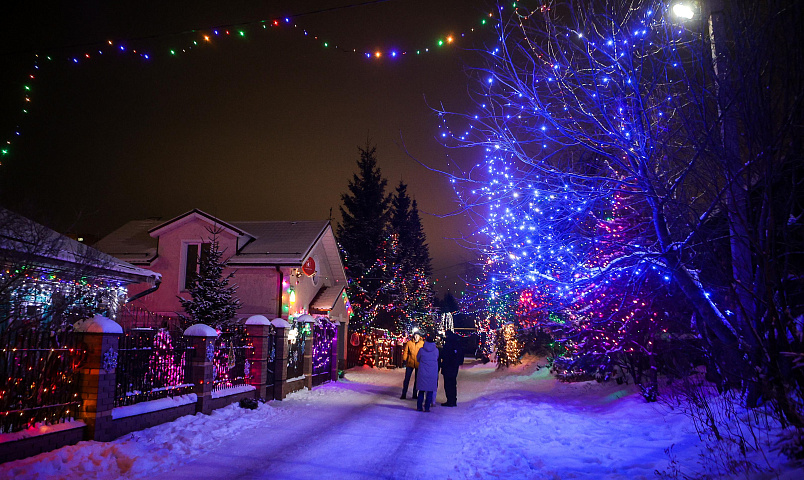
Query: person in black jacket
(451, 358)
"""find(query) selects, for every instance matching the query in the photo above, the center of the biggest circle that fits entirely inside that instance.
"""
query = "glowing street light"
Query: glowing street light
(683, 11)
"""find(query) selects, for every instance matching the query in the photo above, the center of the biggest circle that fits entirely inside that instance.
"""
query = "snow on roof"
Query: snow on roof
(155, 231)
(279, 242)
(131, 242)
(35, 244)
(326, 298)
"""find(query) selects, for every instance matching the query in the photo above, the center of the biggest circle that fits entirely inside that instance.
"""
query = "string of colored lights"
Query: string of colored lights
(198, 38)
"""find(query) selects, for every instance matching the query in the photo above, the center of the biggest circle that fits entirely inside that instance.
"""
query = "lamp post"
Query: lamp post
(736, 194)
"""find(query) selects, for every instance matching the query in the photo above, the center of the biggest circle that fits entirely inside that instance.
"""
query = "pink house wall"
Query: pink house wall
(257, 287)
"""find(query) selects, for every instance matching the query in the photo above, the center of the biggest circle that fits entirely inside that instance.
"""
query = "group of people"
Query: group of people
(423, 360)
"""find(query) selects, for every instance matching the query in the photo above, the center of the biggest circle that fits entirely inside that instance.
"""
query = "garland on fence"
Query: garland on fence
(40, 371)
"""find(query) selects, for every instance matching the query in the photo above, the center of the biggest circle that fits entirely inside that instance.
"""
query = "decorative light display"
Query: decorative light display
(323, 336)
(230, 362)
(184, 43)
(39, 369)
(34, 290)
(576, 127)
(378, 347)
(508, 348)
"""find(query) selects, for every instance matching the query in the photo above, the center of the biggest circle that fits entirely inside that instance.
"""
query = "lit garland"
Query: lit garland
(33, 292)
(40, 371)
(210, 36)
(508, 347)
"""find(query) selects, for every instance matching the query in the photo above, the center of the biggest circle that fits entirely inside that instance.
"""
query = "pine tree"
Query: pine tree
(213, 300)
(363, 237)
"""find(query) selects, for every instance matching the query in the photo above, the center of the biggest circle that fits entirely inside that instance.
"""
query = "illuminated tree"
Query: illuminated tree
(584, 102)
(212, 300)
(363, 237)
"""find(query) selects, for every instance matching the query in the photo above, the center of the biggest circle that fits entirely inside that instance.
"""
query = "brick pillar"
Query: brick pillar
(202, 340)
(97, 376)
(280, 358)
(334, 359)
(307, 366)
(259, 330)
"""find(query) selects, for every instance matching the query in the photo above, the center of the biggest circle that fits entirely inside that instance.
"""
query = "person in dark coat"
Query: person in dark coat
(451, 359)
(428, 374)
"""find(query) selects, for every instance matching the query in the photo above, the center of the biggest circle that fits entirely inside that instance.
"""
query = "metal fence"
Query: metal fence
(151, 364)
(130, 317)
(323, 336)
(39, 369)
(231, 365)
(297, 338)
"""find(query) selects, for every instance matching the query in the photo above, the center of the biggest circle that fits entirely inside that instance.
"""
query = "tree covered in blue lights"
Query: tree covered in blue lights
(633, 156)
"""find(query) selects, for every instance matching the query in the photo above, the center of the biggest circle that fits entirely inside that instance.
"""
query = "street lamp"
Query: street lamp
(736, 195)
(683, 11)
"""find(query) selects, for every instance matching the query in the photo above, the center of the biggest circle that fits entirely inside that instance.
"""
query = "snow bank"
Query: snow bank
(40, 429)
(153, 406)
(140, 453)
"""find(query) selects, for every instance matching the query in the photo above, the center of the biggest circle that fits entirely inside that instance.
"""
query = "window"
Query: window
(194, 255)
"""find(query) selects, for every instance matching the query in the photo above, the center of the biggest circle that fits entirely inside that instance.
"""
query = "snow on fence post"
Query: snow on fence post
(97, 375)
(202, 340)
(281, 359)
(307, 360)
(259, 330)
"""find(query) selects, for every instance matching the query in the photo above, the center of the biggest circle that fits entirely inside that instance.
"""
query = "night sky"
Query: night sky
(261, 127)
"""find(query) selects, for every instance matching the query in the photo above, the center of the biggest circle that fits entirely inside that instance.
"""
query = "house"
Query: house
(281, 268)
(48, 277)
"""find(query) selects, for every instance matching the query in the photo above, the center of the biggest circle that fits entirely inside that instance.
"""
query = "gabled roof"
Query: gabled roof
(23, 240)
(195, 213)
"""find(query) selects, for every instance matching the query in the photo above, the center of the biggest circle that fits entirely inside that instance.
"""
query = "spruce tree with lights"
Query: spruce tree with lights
(363, 238)
(212, 300)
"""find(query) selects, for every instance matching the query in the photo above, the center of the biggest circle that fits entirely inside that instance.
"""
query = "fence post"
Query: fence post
(258, 329)
(281, 356)
(307, 360)
(343, 345)
(202, 340)
(97, 376)
(334, 356)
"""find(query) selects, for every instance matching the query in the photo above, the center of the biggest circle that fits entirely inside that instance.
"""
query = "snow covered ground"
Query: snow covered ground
(514, 424)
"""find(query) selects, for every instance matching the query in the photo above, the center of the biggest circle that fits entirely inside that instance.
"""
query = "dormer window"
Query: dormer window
(192, 256)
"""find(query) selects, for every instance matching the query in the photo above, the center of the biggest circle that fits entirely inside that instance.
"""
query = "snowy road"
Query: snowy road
(359, 430)
(518, 423)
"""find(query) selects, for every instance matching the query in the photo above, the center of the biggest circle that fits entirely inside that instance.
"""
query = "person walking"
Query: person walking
(451, 359)
(411, 364)
(428, 374)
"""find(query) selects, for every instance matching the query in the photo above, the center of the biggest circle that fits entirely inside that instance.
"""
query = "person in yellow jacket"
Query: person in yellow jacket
(411, 363)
